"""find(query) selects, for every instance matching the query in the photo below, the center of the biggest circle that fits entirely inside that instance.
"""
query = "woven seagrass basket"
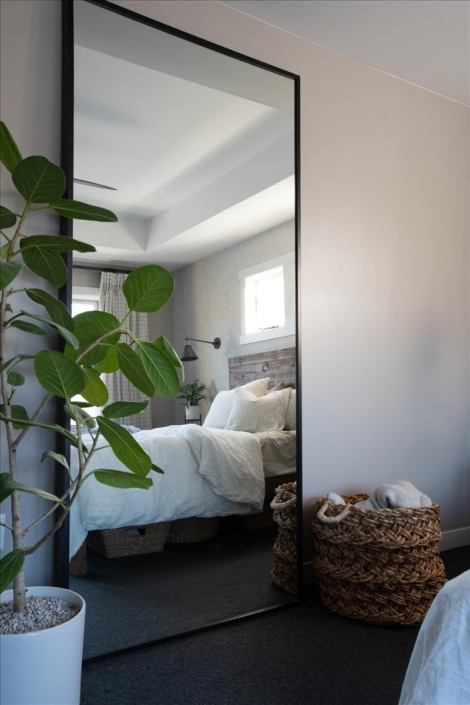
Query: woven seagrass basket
(193, 529)
(284, 572)
(130, 540)
(379, 566)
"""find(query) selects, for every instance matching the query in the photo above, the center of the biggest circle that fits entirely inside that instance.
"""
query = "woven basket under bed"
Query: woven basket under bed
(193, 529)
(129, 540)
(379, 566)
(284, 572)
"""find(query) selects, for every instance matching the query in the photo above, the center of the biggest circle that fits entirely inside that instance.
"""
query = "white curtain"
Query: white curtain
(112, 300)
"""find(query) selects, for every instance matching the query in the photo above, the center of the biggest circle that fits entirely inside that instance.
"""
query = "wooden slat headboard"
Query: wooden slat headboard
(279, 365)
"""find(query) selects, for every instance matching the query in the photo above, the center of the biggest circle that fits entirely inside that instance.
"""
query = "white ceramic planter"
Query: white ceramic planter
(45, 667)
(193, 413)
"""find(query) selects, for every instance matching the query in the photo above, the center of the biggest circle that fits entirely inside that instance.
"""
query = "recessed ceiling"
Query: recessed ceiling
(424, 42)
(198, 148)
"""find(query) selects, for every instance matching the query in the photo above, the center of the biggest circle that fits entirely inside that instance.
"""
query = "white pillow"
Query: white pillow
(291, 414)
(254, 415)
(222, 404)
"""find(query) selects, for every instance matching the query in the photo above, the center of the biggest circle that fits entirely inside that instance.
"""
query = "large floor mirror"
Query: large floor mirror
(194, 149)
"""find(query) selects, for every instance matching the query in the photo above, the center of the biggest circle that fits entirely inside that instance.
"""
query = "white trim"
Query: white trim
(86, 292)
(267, 334)
(455, 538)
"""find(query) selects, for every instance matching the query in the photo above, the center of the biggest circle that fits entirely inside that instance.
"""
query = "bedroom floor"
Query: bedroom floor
(141, 598)
(298, 656)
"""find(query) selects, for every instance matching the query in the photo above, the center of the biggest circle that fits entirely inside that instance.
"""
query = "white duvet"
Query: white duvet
(208, 472)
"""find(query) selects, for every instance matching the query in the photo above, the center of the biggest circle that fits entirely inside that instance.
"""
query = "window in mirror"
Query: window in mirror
(268, 300)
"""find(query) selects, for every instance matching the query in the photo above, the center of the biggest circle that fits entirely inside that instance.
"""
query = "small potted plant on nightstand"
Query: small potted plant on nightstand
(192, 395)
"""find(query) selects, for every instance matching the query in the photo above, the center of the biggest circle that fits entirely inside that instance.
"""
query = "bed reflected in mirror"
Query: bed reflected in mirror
(194, 151)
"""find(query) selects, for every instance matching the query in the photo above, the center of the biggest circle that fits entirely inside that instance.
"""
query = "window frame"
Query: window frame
(282, 331)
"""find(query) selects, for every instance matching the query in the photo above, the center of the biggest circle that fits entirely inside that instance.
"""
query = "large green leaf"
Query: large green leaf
(109, 363)
(94, 390)
(55, 456)
(58, 374)
(64, 332)
(18, 358)
(58, 429)
(83, 211)
(56, 309)
(15, 379)
(38, 180)
(7, 218)
(148, 288)
(46, 263)
(57, 243)
(7, 486)
(8, 272)
(125, 447)
(4, 491)
(4, 251)
(123, 480)
(159, 368)
(17, 412)
(28, 327)
(119, 409)
(168, 348)
(10, 155)
(89, 326)
(133, 368)
(10, 566)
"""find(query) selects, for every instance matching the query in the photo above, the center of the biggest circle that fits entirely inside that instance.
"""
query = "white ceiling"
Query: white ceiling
(424, 42)
(199, 147)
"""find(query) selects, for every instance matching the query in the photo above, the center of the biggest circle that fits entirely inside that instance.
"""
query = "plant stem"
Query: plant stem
(19, 587)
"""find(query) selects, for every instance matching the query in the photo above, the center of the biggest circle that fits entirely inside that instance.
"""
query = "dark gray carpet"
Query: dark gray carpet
(187, 586)
(304, 655)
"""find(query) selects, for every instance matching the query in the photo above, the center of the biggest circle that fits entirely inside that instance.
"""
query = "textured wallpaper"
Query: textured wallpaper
(206, 304)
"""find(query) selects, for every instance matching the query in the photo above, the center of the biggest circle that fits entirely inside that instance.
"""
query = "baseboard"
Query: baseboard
(455, 538)
(450, 539)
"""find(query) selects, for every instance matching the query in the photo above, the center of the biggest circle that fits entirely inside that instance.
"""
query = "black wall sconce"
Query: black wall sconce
(188, 352)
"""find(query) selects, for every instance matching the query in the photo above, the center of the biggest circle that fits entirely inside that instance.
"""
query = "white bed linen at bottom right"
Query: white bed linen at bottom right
(439, 668)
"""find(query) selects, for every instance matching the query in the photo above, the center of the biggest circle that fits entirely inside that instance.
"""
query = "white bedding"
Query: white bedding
(208, 472)
(439, 668)
(279, 451)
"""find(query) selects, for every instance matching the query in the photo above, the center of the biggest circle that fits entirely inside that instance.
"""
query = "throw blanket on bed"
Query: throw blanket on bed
(401, 494)
(208, 472)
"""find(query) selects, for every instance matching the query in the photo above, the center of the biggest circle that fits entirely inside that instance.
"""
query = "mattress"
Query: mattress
(279, 451)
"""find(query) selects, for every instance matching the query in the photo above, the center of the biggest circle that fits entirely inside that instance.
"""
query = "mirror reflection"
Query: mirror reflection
(194, 152)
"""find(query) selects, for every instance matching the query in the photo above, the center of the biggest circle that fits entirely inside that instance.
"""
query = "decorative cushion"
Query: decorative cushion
(252, 414)
(291, 414)
(222, 404)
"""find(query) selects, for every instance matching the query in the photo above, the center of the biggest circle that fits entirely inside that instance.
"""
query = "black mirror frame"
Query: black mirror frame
(65, 294)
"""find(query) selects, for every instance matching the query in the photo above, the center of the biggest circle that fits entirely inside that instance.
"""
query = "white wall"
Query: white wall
(384, 289)
(385, 279)
(207, 304)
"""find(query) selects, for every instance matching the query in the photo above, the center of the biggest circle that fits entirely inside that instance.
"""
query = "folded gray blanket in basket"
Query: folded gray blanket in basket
(401, 494)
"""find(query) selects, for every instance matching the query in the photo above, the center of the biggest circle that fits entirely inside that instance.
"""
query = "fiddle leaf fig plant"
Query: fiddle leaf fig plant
(93, 343)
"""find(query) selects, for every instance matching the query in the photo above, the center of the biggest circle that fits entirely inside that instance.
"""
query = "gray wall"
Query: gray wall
(384, 266)
(30, 63)
(207, 305)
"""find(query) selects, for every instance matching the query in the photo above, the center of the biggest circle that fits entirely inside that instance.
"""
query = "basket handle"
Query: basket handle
(332, 520)
(282, 505)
